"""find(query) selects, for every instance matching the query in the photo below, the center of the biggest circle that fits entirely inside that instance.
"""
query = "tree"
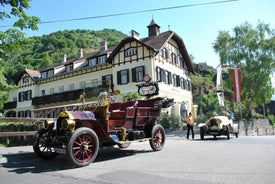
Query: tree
(11, 39)
(252, 50)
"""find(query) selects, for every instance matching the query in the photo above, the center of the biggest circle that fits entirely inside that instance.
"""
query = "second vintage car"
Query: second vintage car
(217, 126)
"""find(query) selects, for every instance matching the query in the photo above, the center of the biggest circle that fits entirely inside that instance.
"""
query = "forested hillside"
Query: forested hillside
(38, 52)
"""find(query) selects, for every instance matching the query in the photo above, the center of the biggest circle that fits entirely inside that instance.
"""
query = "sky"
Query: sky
(198, 25)
(197, 22)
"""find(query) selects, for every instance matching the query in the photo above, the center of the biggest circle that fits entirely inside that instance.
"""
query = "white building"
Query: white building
(163, 56)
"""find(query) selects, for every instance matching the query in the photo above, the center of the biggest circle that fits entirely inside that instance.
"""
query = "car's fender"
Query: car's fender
(202, 125)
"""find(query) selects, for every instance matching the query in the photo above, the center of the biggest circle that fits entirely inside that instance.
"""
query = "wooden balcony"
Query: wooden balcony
(10, 105)
(66, 96)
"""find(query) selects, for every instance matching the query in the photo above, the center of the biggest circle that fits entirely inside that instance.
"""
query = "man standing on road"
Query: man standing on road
(190, 125)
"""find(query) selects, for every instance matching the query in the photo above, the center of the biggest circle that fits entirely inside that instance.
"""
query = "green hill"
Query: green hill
(42, 51)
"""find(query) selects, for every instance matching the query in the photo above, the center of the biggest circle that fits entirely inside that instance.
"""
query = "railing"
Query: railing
(19, 120)
(10, 105)
(57, 97)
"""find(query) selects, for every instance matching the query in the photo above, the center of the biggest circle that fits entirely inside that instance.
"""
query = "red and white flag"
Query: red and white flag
(236, 76)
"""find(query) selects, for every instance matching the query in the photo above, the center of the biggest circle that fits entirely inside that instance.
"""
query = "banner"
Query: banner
(236, 76)
(219, 87)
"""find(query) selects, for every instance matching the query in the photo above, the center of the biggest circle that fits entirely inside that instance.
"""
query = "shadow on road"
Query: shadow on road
(30, 163)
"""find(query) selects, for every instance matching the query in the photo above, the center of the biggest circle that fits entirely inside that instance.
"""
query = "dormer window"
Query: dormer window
(69, 68)
(101, 60)
(92, 62)
(130, 52)
(44, 74)
(50, 73)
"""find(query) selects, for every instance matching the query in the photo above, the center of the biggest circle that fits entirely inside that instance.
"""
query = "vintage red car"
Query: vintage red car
(80, 134)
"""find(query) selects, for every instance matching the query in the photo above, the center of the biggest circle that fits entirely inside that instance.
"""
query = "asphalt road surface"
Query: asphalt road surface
(238, 160)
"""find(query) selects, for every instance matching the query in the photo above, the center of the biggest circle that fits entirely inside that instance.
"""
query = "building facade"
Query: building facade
(45, 92)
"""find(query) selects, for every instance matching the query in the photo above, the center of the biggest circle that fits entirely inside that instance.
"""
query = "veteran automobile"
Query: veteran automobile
(217, 126)
(80, 134)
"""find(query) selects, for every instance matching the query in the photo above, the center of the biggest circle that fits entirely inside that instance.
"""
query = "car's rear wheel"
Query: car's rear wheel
(202, 133)
(42, 145)
(157, 140)
(83, 147)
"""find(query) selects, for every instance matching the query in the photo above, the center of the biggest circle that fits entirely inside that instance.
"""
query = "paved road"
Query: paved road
(238, 160)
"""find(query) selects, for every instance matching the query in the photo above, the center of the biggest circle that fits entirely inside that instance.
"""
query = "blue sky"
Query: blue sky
(197, 25)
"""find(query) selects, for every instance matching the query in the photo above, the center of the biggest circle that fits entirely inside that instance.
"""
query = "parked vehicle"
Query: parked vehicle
(217, 126)
(80, 134)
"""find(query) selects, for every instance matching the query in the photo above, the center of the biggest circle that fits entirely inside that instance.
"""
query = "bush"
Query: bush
(271, 119)
(17, 127)
(170, 121)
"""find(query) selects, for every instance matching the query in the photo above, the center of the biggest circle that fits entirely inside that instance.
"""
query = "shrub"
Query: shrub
(271, 119)
(17, 140)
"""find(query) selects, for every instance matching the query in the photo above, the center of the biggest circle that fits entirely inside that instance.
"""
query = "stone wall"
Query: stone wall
(258, 127)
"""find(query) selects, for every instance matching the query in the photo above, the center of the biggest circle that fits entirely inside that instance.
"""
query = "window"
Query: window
(159, 74)
(27, 114)
(101, 60)
(174, 58)
(130, 52)
(25, 79)
(25, 95)
(44, 74)
(60, 89)
(71, 87)
(21, 114)
(138, 74)
(43, 93)
(167, 77)
(69, 68)
(107, 80)
(51, 91)
(50, 73)
(164, 53)
(175, 80)
(188, 85)
(92, 62)
(182, 83)
(21, 96)
(181, 60)
(28, 95)
(81, 85)
(94, 83)
(123, 77)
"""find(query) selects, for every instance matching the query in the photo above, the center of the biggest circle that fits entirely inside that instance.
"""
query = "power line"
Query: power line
(129, 13)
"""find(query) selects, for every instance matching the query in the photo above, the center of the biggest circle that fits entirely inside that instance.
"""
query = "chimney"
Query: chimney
(103, 46)
(80, 53)
(134, 34)
(64, 59)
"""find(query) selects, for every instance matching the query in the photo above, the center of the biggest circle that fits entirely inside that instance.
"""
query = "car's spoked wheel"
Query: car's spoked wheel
(227, 133)
(202, 133)
(83, 147)
(157, 140)
(42, 145)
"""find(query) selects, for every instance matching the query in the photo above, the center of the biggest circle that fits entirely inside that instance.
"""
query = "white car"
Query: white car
(217, 126)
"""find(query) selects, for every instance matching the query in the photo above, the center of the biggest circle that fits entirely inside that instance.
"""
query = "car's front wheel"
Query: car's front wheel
(202, 133)
(42, 145)
(227, 133)
(83, 147)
